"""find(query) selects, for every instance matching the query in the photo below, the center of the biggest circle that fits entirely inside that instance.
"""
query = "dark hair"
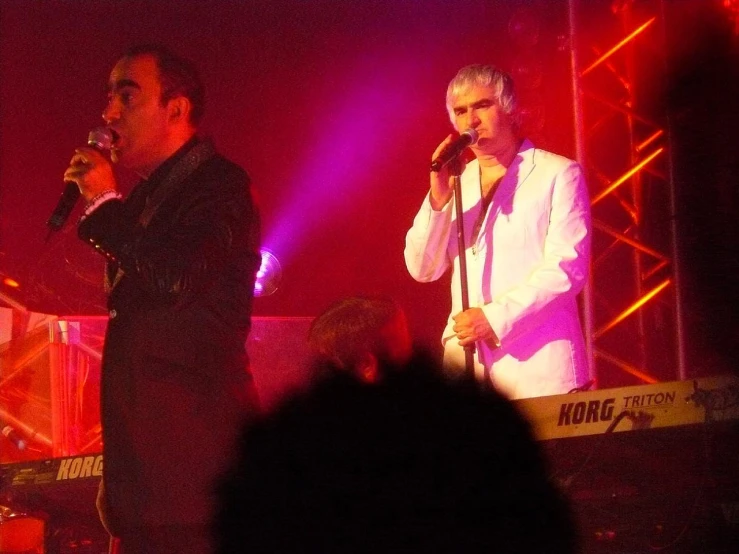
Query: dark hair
(412, 464)
(178, 75)
(351, 327)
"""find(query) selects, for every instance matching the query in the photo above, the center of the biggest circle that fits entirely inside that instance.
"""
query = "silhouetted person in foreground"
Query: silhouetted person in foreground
(410, 463)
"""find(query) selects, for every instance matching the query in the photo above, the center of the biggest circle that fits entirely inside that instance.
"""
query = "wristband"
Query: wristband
(100, 199)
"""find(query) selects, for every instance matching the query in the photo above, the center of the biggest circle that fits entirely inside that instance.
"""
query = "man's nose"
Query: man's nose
(473, 120)
(469, 121)
(111, 112)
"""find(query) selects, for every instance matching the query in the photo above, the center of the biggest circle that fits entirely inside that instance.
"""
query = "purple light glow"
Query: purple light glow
(346, 160)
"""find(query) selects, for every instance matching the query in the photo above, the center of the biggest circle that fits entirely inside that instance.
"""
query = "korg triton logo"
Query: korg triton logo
(593, 411)
(80, 467)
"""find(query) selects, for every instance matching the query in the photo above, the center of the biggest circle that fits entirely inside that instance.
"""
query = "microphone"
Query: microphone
(454, 149)
(13, 436)
(100, 138)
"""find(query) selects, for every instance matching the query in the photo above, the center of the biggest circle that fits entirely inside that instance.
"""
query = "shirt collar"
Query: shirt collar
(164, 168)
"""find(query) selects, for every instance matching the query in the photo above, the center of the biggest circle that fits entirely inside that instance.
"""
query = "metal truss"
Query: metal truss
(632, 310)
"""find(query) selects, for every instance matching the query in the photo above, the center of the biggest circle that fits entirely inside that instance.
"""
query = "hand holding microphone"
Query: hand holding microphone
(453, 148)
(442, 188)
(89, 173)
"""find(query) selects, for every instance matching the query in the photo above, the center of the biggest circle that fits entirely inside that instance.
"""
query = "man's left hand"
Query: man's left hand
(471, 326)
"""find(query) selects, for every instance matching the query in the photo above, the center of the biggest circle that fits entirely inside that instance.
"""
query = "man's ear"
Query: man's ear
(179, 109)
(367, 368)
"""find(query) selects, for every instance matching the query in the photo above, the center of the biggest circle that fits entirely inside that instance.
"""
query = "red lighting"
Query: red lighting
(733, 7)
(12, 283)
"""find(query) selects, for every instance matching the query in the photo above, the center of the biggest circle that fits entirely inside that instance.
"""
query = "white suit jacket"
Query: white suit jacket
(525, 268)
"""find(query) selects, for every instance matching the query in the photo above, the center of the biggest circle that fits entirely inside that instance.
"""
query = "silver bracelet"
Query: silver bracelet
(100, 199)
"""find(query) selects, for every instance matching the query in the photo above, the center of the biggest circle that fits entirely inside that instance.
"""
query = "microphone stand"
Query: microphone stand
(455, 169)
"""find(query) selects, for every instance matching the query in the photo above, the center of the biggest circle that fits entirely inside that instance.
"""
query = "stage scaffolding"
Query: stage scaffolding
(632, 303)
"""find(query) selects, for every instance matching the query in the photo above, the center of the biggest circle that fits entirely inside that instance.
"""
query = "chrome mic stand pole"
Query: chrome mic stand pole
(455, 169)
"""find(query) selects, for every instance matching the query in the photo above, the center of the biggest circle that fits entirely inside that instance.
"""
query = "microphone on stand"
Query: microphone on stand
(100, 138)
(454, 149)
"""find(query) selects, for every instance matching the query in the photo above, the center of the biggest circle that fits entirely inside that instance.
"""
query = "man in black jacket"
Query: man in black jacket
(182, 253)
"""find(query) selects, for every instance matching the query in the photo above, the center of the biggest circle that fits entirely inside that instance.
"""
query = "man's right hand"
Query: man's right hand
(92, 172)
(442, 182)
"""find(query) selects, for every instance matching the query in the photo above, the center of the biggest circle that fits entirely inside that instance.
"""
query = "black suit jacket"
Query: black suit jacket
(175, 382)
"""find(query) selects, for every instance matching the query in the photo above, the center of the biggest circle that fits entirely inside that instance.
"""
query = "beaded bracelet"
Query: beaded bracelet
(99, 199)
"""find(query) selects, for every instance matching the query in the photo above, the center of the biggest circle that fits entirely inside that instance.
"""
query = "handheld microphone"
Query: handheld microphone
(12, 435)
(100, 138)
(454, 149)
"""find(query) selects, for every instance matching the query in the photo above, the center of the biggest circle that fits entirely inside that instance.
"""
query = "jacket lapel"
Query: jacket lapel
(198, 154)
(522, 166)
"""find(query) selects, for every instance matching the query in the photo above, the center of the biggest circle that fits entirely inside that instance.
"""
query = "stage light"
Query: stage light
(733, 8)
(269, 274)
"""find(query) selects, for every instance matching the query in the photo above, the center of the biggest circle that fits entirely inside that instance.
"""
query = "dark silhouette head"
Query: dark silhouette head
(412, 463)
(359, 334)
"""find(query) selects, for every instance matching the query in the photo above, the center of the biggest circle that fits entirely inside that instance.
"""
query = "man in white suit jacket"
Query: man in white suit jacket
(527, 246)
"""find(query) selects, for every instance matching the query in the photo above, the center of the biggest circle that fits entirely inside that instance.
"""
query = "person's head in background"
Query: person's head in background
(358, 335)
(412, 464)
